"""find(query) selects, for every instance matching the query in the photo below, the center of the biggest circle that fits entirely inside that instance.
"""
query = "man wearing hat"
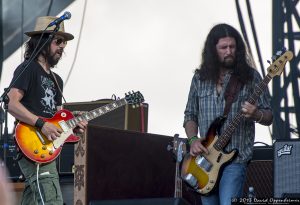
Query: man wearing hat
(38, 93)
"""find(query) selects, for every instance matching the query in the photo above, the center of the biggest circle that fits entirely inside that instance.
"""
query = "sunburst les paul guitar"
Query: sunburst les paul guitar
(202, 172)
(38, 148)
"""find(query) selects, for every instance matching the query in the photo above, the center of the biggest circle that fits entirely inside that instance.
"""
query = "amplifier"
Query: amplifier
(12, 165)
(125, 117)
(65, 161)
(112, 164)
(156, 201)
(260, 172)
(286, 168)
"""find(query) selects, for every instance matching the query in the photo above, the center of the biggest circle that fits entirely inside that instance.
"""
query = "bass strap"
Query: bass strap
(232, 89)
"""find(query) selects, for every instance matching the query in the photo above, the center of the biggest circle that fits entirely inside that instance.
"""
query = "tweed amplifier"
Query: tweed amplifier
(125, 117)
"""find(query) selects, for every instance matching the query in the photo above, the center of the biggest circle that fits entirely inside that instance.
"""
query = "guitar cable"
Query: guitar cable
(38, 184)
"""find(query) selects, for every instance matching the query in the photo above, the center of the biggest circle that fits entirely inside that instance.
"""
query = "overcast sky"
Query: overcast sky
(152, 46)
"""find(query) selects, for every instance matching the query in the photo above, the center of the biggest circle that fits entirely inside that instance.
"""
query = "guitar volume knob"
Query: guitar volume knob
(42, 156)
(51, 152)
(35, 151)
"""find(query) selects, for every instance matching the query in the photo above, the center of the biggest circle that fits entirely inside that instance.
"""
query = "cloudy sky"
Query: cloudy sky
(152, 46)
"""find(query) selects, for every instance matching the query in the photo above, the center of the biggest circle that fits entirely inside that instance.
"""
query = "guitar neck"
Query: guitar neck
(226, 135)
(96, 112)
(178, 183)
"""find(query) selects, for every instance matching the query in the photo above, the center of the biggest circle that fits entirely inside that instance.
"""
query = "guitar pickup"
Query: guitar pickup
(203, 163)
(40, 137)
(63, 125)
(191, 180)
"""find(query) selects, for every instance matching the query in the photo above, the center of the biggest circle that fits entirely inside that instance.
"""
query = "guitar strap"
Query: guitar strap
(58, 86)
(232, 89)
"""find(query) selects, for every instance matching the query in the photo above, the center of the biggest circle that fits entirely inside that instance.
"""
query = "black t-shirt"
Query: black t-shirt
(41, 94)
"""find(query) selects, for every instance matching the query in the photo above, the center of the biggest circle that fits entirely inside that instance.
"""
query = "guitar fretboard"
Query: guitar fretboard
(178, 182)
(226, 135)
(96, 112)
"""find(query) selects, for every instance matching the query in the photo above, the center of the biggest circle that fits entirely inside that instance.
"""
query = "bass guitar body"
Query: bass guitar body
(202, 172)
(35, 146)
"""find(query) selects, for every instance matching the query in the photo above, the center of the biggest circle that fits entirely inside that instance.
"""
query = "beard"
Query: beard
(228, 62)
(53, 60)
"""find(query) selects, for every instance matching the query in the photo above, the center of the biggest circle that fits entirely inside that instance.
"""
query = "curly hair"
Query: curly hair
(31, 44)
(209, 68)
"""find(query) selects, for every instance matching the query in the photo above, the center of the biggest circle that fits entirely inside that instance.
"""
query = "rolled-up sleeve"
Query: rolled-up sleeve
(191, 110)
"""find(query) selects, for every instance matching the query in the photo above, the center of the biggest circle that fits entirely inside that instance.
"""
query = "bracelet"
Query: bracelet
(39, 123)
(192, 139)
(261, 116)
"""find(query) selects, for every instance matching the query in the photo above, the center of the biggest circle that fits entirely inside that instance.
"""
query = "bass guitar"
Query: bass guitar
(35, 146)
(179, 150)
(202, 172)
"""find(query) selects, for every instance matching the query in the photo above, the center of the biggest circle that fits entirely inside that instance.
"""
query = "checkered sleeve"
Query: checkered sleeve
(191, 110)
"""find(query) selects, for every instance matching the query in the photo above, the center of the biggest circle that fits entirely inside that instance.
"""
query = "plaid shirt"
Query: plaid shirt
(205, 105)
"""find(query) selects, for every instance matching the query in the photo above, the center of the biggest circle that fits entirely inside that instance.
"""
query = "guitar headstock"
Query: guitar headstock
(134, 98)
(179, 148)
(281, 58)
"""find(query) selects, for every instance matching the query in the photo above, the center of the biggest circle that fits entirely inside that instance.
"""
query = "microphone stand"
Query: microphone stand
(4, 97)
(1, 136)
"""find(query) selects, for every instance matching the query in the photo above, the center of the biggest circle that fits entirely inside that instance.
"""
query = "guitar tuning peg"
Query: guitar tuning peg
(283, 49)
(278, 53)
(169, 147)
(274, 57)
(269, 62)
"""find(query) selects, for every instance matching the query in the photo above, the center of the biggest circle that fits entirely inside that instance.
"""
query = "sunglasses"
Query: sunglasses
(58, 41)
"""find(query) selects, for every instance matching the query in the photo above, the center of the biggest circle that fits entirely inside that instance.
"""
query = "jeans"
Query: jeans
(231, 185)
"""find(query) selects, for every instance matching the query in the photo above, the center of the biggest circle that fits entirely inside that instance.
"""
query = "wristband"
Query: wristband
(192, 139)
(39, 123)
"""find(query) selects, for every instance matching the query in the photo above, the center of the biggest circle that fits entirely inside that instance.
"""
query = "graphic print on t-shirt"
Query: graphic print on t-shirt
(48, 101)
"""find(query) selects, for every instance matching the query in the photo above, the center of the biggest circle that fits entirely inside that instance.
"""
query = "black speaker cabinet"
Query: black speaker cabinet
(113, 165)
(286, 168)
(65, 161)
(126, 117)
(153, 201)
(260, 172)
